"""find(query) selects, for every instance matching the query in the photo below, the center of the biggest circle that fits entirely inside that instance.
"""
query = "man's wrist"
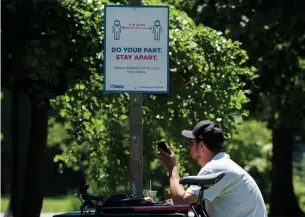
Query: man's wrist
(173, 169)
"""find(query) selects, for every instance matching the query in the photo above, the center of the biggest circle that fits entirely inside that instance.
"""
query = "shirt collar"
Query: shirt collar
(220, 155)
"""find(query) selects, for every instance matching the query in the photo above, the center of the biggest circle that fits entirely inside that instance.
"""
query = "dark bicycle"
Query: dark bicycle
(121, 205)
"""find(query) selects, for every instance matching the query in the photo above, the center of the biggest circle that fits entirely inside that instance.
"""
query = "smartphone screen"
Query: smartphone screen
(163, 146)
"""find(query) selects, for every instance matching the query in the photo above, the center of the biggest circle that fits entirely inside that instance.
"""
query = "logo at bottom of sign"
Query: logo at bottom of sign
(116, 86)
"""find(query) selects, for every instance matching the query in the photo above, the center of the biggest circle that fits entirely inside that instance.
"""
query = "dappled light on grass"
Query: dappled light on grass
(51, 204)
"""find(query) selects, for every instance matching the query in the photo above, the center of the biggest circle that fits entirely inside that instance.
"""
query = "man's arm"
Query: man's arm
(179, 195)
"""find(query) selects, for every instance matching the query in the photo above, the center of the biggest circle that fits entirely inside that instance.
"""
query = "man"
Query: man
(235, 195)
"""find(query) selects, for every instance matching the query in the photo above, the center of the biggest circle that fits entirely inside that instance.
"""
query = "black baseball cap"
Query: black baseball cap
(208, 132)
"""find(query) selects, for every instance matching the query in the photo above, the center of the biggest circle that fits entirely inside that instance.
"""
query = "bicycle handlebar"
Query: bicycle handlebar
(97, 197)
(88, 196)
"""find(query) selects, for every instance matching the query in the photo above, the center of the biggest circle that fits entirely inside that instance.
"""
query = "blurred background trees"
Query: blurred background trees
(272, 35)
(240, 63)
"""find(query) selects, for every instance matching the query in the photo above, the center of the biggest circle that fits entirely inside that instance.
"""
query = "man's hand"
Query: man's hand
(148, 199)
(166, 159)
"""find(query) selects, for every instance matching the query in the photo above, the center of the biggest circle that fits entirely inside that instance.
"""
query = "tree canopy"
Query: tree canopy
(210, 82)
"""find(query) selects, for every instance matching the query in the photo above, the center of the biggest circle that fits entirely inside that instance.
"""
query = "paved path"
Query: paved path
(50, 214)
(46, 214)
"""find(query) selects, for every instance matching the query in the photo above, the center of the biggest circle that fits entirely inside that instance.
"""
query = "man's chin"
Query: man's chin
(196, 159)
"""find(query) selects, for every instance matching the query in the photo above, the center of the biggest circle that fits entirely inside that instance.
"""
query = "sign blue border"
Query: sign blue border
(105, 44)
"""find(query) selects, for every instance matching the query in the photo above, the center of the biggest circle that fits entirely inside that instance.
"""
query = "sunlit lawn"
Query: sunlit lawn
(56, 204)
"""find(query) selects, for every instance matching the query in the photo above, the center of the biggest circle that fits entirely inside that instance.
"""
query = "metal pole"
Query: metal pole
(136, 138)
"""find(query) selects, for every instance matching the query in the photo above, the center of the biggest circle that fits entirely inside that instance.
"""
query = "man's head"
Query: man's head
(205, 140)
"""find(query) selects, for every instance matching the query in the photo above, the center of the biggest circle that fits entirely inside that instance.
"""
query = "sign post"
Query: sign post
(136, 61)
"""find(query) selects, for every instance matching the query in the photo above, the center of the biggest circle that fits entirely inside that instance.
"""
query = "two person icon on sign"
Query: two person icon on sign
(117, 30)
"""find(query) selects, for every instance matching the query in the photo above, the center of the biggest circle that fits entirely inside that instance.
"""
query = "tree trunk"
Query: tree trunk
(27, 200)
(283, 200)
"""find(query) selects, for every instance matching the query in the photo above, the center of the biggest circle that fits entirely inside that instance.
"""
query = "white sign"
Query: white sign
(136, 48)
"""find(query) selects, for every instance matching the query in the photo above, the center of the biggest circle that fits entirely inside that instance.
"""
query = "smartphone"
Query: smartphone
(163, 146)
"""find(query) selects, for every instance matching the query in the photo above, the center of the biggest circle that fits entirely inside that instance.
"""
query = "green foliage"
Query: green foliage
(298, 183)
(52, 48)
(251, 140)
(210, 83)
(56, 132)
(272, 34)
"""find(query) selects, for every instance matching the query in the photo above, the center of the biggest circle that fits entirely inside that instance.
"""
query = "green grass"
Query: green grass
(299, 188)
(56, 204)
(4, 203)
